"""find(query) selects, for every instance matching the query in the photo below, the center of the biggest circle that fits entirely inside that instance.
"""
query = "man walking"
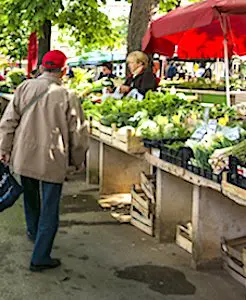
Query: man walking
(41, 131)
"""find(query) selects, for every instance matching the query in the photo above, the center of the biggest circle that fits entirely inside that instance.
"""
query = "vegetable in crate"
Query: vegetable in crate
(219, 160)
(205, 148)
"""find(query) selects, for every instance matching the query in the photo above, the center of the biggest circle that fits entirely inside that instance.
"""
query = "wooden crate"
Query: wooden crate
(128, 143)
(234, 256)
(148, 183)
(106, 134)
(142, 211)
(184, 237)
(141, 202)
(237, 276)
(240, 98)
(95, 127)
(232, 191)
(142, 223)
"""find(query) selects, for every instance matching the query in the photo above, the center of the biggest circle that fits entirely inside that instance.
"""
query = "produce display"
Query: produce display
(219, 160)
(84, 85)
(158, 116)
(205, 84)
(212, 151)
(195, 136)
(13, 78)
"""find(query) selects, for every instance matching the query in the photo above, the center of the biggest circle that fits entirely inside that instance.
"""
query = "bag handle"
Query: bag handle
(34, 100)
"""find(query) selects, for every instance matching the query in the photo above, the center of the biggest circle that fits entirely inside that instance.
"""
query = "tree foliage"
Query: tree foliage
(118, 38)
(13, 38)
(81, 18)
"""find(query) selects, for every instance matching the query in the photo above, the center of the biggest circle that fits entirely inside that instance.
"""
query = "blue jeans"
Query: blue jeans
(42, 218)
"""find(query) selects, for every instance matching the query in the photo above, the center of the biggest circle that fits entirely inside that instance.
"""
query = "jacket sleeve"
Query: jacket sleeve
(78, 132)
(148, 83)
(8, 124)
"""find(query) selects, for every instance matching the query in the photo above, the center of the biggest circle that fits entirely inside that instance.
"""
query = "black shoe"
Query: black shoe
(54, 263)
(30, 237)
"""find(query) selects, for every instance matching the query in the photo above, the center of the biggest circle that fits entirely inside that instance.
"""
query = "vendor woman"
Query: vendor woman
(141, 77)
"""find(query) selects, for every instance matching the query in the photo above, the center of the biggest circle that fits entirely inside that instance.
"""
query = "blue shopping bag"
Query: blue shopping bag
(10, 189)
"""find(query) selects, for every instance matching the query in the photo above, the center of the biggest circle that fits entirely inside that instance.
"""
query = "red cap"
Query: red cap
(54, 59)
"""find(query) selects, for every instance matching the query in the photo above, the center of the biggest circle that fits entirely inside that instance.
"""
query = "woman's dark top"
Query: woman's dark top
(142, 82)
(110, 76)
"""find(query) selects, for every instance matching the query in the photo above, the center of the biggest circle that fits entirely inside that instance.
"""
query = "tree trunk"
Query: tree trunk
(140, 15)
(44, 41)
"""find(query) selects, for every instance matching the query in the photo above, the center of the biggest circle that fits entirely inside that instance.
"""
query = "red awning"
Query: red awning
(32, 53)
(197, 31)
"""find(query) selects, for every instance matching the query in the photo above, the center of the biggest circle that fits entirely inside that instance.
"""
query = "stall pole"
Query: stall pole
(228, 98)
(223, 23)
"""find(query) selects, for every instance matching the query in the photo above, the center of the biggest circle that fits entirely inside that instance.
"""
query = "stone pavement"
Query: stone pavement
(102, 260)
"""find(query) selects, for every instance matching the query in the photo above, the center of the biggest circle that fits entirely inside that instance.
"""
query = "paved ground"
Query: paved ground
(102, 260)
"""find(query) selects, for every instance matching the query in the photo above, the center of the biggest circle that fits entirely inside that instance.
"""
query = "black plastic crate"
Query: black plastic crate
(177, 157)
(148, 143)
(237, 171)
(151, 143)
(208, 174)
(172, 156)
(170, 141)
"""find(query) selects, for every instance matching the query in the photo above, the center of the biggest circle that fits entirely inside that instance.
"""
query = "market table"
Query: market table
(216, 97)
(182, 196)
(114, 169)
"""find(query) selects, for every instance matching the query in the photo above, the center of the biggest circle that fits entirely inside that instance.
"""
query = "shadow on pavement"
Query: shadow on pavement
(165, 280)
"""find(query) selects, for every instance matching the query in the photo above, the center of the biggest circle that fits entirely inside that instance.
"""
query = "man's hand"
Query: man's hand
(5, 158)
(124, 89)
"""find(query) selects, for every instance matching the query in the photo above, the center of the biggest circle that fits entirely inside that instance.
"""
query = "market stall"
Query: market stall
(212, 211)
(169, 152)
(183, 186)
(214, 97)
(216, 29)
(197, 203)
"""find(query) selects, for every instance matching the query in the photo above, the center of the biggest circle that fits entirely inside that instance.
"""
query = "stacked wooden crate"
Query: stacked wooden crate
(234, 258)
(184, 236)
(143, 204)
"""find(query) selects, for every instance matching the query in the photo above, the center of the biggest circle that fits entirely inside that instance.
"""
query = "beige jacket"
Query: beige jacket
(49, 134)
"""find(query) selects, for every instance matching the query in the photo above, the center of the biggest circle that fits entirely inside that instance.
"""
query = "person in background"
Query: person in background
(156, 69)
(208, 73)
(203, 71)
(70, 73)
(141, 77)
(200, 72)
(181, 72)
(107, 71)
(41, 131)
(171, 71)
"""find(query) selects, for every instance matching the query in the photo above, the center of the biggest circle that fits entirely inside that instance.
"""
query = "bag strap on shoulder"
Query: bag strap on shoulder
(34, 100)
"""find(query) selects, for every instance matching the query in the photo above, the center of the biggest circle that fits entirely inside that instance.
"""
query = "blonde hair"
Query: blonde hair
(138, 57)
